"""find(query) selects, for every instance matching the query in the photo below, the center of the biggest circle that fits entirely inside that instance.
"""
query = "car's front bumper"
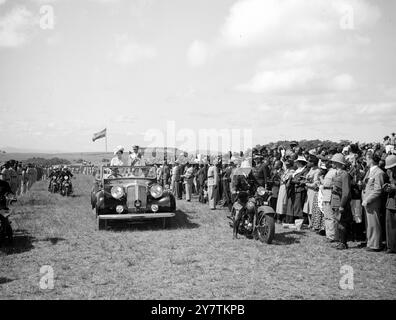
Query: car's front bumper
(136, 216)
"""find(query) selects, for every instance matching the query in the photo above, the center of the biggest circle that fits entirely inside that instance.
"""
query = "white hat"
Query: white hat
(118, 148)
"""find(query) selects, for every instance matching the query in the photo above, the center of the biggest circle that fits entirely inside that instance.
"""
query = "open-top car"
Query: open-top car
(130, 194)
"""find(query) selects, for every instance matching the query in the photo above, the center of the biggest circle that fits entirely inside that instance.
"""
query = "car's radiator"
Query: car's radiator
(134, 193)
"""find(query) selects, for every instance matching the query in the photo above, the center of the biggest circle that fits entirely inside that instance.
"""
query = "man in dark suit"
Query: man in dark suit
(201, 177)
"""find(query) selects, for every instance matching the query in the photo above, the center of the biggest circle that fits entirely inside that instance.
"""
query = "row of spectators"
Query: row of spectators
(345, 193)
(21, 177)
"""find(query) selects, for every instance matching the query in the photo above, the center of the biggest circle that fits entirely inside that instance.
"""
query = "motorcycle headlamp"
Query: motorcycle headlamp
(261, 191)
(156, 191)
(117, 192)
(250, 205)
(66, 177)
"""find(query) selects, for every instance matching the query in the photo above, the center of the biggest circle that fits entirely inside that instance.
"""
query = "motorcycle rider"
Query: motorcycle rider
(54, 173)
(66, 173)
(261, 171)
(243, 185)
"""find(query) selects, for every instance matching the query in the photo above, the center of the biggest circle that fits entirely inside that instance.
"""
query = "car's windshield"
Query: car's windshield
(129, 172)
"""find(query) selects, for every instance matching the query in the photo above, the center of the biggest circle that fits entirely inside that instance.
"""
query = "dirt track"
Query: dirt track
(195, 258)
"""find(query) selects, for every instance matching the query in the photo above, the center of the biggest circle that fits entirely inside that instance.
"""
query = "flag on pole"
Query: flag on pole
(99, 135)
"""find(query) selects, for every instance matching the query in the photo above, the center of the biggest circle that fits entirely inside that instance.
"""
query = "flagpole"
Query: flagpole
(106, 140)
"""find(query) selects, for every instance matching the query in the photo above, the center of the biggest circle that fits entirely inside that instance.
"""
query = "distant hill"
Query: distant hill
(21, 150)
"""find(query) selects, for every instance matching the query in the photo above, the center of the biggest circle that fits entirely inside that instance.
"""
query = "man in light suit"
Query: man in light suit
(374, 182)
(213, 180)
(176, 180)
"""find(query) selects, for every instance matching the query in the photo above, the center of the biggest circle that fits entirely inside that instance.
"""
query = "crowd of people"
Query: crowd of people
(21, 177)
(344, 193)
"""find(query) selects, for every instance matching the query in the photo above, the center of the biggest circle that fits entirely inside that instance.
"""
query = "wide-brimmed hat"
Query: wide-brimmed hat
(135, 147)
(118, 148)
(301, 159)
(390, 161)
(293, 143)
(339, 158)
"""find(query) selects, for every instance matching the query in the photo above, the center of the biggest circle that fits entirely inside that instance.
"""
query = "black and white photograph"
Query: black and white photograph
(207, 151)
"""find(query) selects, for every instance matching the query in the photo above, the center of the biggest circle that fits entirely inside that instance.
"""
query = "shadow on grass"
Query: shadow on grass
(180, 221)
(288, 238)
(4, 280)
(53, 240)
(22, 242)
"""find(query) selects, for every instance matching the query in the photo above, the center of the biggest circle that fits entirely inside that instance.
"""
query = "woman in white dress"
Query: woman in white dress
(117, 160)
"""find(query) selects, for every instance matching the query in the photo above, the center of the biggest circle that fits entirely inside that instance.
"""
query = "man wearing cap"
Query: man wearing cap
(390, 219)
(134, 156)
(371, 202)
(340, 199)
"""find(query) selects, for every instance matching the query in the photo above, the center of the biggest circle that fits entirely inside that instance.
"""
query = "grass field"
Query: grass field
(195, 258)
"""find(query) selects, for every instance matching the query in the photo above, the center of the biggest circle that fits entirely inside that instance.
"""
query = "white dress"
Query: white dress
(116, 162)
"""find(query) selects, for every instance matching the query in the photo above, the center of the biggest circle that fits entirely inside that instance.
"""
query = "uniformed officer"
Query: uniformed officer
(261, 171)
(13, 179)
(30, 176)
(5, 173)
(340, 199)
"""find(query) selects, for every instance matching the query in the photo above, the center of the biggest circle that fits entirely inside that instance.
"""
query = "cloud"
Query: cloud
(272, 22)
(197, 53)
(2, 2)
(129, 51)
(14, 27)
(304, 80)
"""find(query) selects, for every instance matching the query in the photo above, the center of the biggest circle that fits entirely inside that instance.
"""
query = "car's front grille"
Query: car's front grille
(135, 193)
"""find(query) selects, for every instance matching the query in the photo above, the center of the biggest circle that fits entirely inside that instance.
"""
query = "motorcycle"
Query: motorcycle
(253, 217)
(66, 186)
(53, 185)
(6, 233)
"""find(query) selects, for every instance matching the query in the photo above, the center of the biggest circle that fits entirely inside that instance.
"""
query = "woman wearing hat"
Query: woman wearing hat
(312, 184)
(281, 205)
(318, 222)
(390, 189)
(117, 160)
(296, 191)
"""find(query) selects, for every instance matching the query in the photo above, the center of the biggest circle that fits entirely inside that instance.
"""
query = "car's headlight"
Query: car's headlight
(261, 191)
(117, 192)
(156, 191)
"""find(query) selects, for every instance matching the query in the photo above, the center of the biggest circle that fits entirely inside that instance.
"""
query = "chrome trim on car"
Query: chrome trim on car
(136, 216)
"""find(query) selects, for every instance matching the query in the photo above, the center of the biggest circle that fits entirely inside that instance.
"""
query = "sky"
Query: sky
(283, 69)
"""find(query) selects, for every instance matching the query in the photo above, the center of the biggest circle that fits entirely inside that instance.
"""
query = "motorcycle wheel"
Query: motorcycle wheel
(67, 192)
(266, 229)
